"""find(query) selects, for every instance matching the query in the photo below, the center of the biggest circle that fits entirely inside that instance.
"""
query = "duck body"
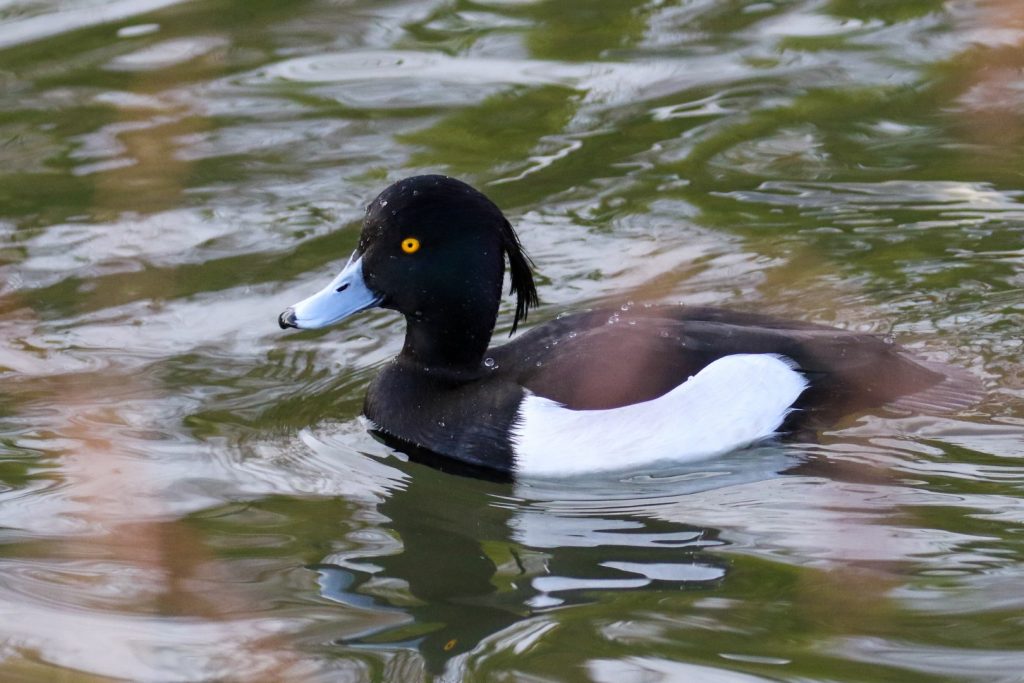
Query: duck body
(596, 390)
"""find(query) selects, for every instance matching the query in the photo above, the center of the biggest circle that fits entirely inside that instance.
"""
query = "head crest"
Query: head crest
(520, 267)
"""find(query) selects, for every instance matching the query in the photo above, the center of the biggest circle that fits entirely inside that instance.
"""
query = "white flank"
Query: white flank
(731, 403)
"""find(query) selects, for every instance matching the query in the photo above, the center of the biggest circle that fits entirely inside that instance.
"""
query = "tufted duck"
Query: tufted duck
(591, 391)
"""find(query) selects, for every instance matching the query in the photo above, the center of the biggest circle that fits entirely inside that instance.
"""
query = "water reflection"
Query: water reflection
(482, 568)
(477, 560)
(472, 572)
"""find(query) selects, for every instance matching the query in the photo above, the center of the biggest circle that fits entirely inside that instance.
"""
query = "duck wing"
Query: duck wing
(608, 359)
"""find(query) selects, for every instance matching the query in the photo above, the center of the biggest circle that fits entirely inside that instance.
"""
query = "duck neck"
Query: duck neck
(443, 343)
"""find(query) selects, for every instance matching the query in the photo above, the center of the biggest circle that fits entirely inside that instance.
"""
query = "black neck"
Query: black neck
(448, 343)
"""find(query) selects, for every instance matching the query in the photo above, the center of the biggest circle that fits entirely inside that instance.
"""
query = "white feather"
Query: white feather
(731, 403)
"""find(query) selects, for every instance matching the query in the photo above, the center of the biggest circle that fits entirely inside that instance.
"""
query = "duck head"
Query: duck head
(434, 249)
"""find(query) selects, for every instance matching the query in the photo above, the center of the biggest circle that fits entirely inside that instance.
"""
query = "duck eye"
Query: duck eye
(410, 245)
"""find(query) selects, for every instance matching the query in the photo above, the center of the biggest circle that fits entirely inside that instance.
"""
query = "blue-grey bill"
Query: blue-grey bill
(345, 295)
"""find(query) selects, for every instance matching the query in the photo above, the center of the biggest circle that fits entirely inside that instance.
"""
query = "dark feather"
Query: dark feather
(521, 270)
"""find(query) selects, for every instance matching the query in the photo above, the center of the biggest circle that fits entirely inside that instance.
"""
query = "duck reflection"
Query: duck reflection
(481, 561)
(451, 576)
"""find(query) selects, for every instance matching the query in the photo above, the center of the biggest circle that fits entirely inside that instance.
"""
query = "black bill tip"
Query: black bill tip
(287, 319)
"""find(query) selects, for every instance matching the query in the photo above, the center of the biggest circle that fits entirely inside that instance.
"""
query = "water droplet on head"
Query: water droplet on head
(572, 335)
(415, 193)
(489, 362)
(383, 202)
(663, 334)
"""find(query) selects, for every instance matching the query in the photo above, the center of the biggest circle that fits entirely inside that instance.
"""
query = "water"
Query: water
(187, 492)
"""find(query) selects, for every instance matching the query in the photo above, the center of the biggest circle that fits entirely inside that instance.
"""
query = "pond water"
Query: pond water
(188, 493)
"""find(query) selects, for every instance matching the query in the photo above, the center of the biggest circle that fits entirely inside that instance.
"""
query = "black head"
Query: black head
(434, 249)
(433, 245)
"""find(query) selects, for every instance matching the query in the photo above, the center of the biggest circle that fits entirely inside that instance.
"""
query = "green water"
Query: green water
(187, 493)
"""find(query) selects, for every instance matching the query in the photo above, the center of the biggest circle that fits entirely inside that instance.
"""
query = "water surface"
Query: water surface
(187, 493)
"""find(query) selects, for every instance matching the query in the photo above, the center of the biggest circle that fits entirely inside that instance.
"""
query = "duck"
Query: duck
(589, 391)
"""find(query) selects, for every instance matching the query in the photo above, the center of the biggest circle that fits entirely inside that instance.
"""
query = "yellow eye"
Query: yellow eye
(410, 245)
